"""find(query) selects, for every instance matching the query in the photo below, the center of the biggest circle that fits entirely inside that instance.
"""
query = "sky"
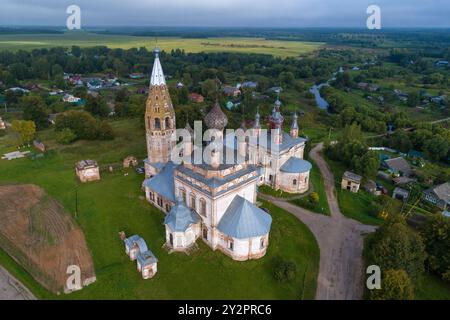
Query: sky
(228, 13)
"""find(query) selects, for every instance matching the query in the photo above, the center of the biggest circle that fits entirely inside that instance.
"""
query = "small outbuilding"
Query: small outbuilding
(371, 187)
(400, 194)
(2, 124)
(351, 181)
(130, 161)
(134, 245)
(87, 170)
(147, 264)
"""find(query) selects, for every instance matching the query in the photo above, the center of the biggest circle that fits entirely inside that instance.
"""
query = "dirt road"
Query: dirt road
(12, 289)
(340, 240)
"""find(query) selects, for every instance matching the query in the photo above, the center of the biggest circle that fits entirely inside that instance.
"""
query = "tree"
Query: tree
(368, 164)
(436, 235)
(209, 89)
(97, 106)
(395, 285)
(81, 123)
(395, 246)
(25, 130)
(437, 147)
(34, 109)
(104, 131)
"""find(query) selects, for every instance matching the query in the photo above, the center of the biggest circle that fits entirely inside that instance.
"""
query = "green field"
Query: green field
(116, 203)
(85, 39)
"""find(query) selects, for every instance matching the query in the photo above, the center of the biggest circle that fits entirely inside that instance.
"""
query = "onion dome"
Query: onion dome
(216, 119)
(276, 119)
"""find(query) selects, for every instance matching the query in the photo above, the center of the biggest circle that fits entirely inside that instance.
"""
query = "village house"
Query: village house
(398, 166)
(136, 75)
(275, 90)
(70, 98)
(87, 170)
(249, 85)
(400, 194)
(351, 181)
(442, 63)
(371, 187)
(196, 98)
(439, 195)
(18, 89)
(231, 91)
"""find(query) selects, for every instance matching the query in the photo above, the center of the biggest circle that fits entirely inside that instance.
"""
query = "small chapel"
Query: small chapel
(216, 201)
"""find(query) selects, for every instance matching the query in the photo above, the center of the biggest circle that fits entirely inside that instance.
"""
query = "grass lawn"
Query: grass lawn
(430, 287)
(353, 205)
(316, 180)
(84, 39)
(116, 203)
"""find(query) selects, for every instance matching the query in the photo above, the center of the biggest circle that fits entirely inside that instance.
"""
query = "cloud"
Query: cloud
(249, 13)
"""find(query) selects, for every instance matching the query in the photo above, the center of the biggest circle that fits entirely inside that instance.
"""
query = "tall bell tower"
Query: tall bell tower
(159, 120)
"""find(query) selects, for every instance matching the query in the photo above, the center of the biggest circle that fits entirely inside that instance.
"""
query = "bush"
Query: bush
(285, 271)
(104, 131)
(314, 198)
(66, 136)
(395, 285)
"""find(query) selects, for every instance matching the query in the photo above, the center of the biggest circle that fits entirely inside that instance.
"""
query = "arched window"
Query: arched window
(294, 182)
(203, 207)
(193, 204)
(167, 124)
(157, 124)
(263, 243)
(183, 194)
(231, 244)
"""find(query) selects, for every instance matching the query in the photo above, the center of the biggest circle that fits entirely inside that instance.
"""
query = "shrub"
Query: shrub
(314, 198)
(395, 285)
(66, 136)
(285, 271)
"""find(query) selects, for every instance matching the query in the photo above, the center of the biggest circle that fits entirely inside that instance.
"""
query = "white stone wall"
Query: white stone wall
(243, 249)
(287, 182)
(182, 240)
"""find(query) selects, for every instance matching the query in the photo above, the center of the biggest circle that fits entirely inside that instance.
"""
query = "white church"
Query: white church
(216, 201)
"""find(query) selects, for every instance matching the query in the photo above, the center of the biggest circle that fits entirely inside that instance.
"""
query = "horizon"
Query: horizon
(229, 14)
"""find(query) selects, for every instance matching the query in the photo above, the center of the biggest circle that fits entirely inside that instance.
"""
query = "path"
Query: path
(12, 289)
(409, 128)
(340, 241)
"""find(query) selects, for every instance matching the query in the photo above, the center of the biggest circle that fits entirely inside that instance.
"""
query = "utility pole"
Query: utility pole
(76, 202)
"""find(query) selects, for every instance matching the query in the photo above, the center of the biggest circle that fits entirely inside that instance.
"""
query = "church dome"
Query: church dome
(216, 119)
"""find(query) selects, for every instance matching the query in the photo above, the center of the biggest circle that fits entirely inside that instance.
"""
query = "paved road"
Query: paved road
(340, 241)
(12, 289)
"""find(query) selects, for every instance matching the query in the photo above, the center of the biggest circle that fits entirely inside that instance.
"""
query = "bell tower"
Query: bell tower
(159, 120)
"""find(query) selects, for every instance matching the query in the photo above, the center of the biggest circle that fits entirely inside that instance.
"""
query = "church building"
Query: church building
(216, 201)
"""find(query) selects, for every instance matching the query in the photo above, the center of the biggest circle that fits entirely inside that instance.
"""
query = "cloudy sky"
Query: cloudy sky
(240, 13)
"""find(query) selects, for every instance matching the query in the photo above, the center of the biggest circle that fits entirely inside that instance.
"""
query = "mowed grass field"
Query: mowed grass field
(117, 203)
(84, 39)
